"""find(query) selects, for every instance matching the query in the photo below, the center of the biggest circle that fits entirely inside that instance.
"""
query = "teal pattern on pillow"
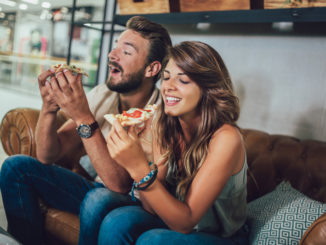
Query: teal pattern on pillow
(282, 216)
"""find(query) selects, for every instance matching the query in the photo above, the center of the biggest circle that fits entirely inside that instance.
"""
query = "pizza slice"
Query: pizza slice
(72, 68)
(133, 116)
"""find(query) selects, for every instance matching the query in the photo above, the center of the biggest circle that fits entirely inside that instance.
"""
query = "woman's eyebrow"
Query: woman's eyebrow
(179, 74)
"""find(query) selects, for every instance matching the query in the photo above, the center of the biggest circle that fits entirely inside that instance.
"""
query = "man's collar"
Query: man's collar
(152, 100)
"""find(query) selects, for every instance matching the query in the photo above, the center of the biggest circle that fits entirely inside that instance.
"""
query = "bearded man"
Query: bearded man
(135, 65)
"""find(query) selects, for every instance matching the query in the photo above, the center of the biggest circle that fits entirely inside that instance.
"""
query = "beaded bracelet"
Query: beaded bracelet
(148, 183)
(148, 179)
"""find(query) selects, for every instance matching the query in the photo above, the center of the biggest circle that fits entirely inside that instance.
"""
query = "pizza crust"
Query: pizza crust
(72, 68)
(126, 118)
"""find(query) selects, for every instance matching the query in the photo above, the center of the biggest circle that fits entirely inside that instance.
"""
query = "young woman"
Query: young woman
(197, 193)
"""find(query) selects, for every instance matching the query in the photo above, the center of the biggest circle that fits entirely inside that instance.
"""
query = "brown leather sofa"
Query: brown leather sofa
(271, 159)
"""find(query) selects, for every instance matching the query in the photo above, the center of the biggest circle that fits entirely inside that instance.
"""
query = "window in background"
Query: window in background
(7, 26)
(85, 41)
(35, 34)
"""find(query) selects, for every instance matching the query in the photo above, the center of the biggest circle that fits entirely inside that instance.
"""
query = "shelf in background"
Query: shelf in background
(47, 61)
(315, 14)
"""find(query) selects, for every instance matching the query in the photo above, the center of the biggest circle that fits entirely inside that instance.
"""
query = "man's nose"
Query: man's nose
(113, 55)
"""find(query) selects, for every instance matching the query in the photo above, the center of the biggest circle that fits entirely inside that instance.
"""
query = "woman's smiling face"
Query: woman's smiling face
(181, 95)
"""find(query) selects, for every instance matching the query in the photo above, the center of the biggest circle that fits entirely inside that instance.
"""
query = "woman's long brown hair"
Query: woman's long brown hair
(217, 106)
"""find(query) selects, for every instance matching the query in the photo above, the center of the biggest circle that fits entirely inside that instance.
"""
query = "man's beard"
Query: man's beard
(128, 84)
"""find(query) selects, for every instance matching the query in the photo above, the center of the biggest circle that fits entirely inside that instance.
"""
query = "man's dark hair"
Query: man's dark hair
(157, 35)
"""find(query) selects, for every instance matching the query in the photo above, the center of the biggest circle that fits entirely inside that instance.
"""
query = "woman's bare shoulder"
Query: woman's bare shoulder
(227, 141)
(228, 131)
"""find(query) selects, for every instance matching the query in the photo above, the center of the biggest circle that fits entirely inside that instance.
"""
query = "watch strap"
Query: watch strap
(94, 126)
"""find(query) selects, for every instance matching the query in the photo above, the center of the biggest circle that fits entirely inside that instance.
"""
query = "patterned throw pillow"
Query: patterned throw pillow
(282, 216)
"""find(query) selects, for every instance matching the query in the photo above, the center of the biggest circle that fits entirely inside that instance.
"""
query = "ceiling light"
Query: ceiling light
(8, 2)
(23, 6)
(46, 5)
(31, 1)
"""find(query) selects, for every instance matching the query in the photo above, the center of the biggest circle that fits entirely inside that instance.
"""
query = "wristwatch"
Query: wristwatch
(86, 130)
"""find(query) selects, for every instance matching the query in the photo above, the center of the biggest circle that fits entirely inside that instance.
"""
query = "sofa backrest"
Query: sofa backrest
(274, 158)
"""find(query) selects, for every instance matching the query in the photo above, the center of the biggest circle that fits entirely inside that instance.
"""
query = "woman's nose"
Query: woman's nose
(169, 85)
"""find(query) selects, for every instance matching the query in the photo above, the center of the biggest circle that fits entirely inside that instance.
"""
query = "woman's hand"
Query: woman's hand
(145, 138)
(125, 148)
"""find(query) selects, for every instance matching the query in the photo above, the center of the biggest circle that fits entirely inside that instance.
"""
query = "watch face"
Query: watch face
(84, 131)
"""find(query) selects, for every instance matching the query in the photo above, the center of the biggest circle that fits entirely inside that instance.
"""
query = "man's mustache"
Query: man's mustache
(115, 64)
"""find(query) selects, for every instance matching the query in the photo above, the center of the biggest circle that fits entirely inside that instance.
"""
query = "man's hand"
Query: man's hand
(49, 104)
(68, 92)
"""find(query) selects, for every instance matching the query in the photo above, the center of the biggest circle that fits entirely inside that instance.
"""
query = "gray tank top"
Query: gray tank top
(229, 211)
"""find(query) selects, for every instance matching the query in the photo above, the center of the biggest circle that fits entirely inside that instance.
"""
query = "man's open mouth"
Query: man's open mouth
(115, 68)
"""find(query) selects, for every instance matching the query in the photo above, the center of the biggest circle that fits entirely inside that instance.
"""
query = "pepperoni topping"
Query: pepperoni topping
(135, 114)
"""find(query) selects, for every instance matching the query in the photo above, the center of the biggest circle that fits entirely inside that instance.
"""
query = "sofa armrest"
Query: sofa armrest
(17, 131)
(316, 233)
